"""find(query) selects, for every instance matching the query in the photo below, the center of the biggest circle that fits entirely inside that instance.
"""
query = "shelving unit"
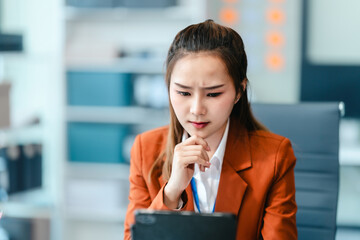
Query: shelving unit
(95, 194)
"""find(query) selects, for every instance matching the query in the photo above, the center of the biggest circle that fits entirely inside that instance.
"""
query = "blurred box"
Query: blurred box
(96, 142)
(99, 89)
(147, 3)
(91, 3)
(11, 43)
(151, 91)
(4, 105)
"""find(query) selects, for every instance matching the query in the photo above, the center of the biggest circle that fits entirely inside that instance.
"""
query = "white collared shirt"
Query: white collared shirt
(207, 183)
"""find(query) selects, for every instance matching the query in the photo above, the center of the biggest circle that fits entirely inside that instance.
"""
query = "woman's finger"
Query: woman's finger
(186, 161)
(195, 150)
(195, 140)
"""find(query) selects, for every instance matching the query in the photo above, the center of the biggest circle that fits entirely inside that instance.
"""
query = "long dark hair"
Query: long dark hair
(222, 42)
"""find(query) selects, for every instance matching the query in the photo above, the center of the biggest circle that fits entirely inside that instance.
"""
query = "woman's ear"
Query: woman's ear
(244, 84)
(237, 98)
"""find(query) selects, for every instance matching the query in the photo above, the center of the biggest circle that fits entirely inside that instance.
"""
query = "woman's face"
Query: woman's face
(202, 94)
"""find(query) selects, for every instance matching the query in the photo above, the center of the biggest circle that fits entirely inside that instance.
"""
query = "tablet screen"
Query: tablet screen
(183, 225)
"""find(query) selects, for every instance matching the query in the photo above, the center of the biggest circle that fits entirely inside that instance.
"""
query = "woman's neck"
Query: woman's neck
(214, 140)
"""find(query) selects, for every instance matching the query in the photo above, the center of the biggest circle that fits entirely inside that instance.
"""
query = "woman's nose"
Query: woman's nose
(197, 106)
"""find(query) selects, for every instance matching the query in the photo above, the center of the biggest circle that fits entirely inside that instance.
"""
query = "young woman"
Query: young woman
(214, 155)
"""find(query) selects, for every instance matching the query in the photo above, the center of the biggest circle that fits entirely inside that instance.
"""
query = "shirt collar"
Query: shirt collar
(220, 151)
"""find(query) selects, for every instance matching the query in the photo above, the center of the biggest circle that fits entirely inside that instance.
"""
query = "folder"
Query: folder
(32, 166)
(14, 164)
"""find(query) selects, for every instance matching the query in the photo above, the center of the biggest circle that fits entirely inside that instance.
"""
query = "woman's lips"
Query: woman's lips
(199, 124)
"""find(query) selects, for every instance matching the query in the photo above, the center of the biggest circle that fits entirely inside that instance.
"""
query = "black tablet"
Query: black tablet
(161, 225)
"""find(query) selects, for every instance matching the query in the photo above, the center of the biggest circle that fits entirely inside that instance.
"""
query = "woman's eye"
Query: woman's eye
(183, 93)
(213, 94)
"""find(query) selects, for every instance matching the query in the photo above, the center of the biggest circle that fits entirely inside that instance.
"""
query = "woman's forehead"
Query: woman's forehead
(200, 69)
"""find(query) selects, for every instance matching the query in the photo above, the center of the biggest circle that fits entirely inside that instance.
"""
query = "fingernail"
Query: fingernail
(208, 148)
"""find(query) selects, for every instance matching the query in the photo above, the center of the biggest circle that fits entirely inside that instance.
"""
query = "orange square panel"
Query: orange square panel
(275, 61)
(228, 15)
(275, 39)
(275, 16)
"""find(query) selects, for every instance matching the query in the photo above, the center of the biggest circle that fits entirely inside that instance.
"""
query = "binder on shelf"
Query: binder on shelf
(99, 89)
(24, 167)
(96, 142)
(32, 162)
(37, 167)
(4, 182)
(12, 155)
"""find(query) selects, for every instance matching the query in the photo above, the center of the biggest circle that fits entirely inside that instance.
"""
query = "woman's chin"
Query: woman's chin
(198, 133)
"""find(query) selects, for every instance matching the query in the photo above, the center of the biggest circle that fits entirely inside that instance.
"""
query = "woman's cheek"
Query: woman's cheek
(178, 104)
(175, 100)
(225, 106)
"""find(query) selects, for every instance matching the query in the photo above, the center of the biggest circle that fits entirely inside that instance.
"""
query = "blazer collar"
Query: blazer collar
(237, 151)
(237, 157)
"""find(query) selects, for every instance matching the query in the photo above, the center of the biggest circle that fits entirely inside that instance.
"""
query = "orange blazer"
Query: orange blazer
(256, 183)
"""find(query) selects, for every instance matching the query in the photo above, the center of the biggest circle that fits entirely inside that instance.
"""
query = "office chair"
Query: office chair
(313, 129)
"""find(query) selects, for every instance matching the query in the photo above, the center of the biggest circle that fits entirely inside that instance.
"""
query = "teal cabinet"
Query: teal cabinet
(99, 89)
(96, 142)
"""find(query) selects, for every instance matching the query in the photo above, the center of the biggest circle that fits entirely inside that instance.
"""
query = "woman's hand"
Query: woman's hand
(186, 154)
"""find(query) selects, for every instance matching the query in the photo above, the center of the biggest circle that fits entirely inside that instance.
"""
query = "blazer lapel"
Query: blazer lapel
(231, 190)
(237, 157)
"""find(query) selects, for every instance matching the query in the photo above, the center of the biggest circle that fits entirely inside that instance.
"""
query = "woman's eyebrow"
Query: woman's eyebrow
(206, 88)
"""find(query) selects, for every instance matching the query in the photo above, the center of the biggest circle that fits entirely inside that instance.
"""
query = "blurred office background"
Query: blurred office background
(80, 78)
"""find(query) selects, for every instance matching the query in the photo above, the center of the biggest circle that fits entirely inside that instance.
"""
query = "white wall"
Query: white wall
(334, 34)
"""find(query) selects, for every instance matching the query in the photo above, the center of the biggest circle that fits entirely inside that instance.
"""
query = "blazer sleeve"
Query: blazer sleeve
(279, 220)
(139, 196)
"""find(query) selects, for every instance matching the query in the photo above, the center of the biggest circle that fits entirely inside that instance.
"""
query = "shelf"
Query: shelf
(29, 204)
(134, 65)
(177, 13)
(119, 115)
(21, 135)
(115, 215)
(22, 210)
(98, 170)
